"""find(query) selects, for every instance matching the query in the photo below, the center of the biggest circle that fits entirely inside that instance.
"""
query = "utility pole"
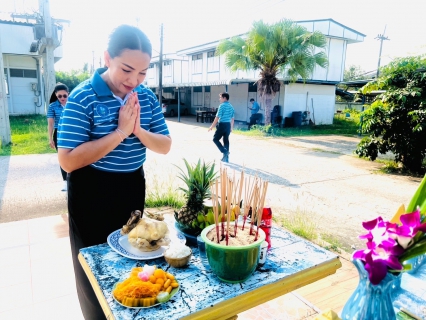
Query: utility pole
(48, 43)
(160, 69)
(380, 37)
(4, 109)
(93, 62)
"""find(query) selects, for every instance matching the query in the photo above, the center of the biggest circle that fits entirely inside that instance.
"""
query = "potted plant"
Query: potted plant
(233, 248)
(194, 216)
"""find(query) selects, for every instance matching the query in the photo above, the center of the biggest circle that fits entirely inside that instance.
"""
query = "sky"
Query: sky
(187, 23)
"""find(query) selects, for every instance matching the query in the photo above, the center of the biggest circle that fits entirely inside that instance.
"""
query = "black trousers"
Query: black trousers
(55, 140)
(254, 118)
(99, 203)
(223, 130)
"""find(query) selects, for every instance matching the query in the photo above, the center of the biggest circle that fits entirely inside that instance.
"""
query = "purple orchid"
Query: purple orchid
(382, 250)
(411, 224)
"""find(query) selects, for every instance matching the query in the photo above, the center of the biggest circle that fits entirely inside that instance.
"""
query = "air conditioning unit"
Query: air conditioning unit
(38, 30)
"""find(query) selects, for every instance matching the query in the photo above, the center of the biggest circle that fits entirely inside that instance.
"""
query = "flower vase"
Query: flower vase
(371, 302)
(416, 263)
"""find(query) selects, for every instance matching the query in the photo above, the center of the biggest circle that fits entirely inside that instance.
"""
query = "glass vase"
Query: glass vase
(416, 263)
(371, 302)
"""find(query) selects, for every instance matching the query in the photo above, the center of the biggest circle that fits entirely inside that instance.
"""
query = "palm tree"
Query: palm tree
(284, 48)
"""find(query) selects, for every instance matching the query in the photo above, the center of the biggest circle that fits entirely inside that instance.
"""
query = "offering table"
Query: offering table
(292, 262)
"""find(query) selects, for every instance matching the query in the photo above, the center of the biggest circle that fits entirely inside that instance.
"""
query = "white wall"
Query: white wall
(21, 97)
(336, 54)
(299, 97)
(16, 38)
(238, 97)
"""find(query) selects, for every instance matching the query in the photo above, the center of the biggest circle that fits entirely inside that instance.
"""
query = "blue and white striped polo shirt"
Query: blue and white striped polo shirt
(55, 111)
(92, 112)
(225, 112)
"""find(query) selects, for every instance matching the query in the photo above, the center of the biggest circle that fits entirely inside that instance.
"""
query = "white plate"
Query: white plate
(121, 245)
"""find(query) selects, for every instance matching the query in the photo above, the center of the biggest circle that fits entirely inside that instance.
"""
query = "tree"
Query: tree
(354, 73)
(284, 48)
(72, 78)
(396, 121)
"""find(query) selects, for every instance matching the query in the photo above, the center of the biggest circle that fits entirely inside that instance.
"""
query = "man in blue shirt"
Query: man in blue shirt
(225, 119)
(254, 113)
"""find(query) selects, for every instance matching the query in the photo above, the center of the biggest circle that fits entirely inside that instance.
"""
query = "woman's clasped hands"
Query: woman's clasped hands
(129, 116)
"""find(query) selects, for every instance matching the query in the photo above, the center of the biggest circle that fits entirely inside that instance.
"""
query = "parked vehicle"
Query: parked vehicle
(170, 108)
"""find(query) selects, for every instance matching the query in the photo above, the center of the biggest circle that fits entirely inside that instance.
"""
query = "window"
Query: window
(198, 96)
(23, 73)
(197, 63)
(167, 68)
(6, 81)
(151, 66)
(212, 62)
(252, 87)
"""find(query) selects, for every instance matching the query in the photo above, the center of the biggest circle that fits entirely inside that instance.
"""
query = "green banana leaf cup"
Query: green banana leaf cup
(232, 264)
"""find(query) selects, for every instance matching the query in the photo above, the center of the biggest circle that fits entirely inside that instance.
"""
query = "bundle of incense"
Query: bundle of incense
(261, 204)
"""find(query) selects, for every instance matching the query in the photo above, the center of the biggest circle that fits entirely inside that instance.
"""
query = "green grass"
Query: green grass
(300, 223)
(163, 193)
(29, 136)
(330, 242)
(340, 126)
(303, 224)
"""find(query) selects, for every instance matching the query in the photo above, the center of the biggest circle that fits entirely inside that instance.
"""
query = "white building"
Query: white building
(201, 76)
(22, 51)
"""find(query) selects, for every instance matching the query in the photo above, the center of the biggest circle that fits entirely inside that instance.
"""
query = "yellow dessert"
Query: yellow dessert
(142, 287)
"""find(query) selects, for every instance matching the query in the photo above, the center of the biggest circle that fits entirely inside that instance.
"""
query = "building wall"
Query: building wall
(21, 98)
(20, 38)
(319, 100)
(16, 42)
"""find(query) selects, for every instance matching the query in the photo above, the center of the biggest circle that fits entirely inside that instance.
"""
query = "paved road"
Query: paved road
(316, 176)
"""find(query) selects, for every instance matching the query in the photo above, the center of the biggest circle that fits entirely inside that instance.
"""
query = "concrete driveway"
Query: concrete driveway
(316, 176)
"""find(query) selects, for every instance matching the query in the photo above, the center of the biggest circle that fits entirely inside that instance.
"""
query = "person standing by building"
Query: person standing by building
(254, 112)
(109, 122)
(225, 120)
(58, 100)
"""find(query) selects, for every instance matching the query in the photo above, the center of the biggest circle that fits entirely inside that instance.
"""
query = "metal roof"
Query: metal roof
(16, 22)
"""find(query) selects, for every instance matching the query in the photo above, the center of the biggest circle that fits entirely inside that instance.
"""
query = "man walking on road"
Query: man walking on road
(254, 113)
(225, 119)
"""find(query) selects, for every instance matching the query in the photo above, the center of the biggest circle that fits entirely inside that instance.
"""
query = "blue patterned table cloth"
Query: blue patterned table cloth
(412, 292)
(200, 288)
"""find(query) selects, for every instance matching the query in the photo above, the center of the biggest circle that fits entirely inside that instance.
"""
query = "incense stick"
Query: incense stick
(223, 199)
(228, 209)
(261, 205)
(216, 211)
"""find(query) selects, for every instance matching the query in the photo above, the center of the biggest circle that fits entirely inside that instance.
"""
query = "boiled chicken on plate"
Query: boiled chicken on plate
(149, 234)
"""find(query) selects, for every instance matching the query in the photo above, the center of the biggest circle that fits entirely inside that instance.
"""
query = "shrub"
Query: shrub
(396, 121)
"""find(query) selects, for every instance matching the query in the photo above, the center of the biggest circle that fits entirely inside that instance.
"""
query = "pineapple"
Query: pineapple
(197, 179)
